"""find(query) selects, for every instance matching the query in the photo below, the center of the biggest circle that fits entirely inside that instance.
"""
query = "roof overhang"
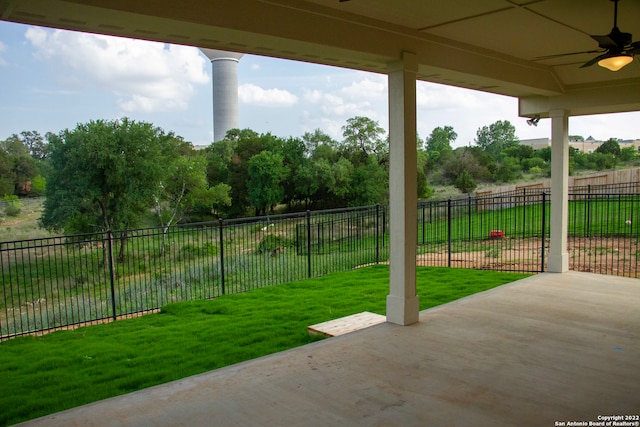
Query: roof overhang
(492, 46)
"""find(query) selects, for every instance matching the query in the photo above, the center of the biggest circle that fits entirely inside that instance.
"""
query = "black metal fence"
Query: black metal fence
(82, 279)
(62, 282)
(506, 232)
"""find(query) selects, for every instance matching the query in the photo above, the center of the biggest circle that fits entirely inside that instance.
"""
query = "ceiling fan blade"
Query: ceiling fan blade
(595, 60)
(558, 55)
(605, 42)
(633, 49)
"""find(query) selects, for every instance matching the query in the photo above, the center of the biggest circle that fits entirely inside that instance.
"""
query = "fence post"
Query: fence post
(377, 233)
(423, 224)
(112, 273)
(587, 227)
(221, 223)
(544, 227)
(449, 232)
(308, 243)
(469, 209)
(524, 212)
(384, 223)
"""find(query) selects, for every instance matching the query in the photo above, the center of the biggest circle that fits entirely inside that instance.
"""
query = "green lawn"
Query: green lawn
(42, 375)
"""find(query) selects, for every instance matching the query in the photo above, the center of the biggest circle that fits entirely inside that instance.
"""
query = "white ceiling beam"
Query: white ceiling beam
(622, 96)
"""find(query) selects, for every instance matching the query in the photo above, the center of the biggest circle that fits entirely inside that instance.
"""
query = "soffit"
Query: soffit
(489, 45)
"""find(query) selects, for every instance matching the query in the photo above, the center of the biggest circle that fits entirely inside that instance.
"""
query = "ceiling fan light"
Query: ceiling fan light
(614, 63)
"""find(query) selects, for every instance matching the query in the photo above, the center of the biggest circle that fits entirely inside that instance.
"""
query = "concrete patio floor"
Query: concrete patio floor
(550, 348)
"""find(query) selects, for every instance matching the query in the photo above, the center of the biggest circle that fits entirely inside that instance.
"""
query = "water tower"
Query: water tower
(224, 70)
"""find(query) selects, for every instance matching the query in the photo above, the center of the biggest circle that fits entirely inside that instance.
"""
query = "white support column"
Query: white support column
(558, 255)
(403, 305)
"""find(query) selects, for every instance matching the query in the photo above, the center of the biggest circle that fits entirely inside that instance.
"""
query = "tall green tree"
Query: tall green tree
(362, 137)
(440, 139)
(105, 175)
(248, 144)
(611, 146)
(497, 137)
(35, 144)
(266, 172)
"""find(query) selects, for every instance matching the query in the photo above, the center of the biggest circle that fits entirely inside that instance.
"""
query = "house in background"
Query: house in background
(589, 145)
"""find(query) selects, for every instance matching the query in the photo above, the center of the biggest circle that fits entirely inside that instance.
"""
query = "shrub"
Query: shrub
(465, 182)
(535, 170)
(14, 205)
(271, 243)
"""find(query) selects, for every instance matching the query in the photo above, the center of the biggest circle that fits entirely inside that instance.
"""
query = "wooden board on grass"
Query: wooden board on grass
(347, 324)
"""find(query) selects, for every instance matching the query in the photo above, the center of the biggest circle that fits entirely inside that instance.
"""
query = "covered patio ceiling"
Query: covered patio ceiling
(488, 45)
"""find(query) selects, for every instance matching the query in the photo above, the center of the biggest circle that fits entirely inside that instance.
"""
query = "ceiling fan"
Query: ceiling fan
(618, 48)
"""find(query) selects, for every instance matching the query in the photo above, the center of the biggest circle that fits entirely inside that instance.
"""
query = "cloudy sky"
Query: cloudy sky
(52, 80)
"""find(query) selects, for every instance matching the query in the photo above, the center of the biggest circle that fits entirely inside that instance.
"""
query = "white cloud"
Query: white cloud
(255, 95)
(439, 97)
(361, 97)
(371, 87)
(144, 76)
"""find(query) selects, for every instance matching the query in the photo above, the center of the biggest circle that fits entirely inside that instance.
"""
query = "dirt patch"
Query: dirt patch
(603, 255)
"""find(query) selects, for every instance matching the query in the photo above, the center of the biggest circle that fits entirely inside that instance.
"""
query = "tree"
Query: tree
(611, 146)
(317, 138)
(340, 185)
(266, 173)
(601, 161)
(305, 182)
(369, 184)
(219, 156)
(247, 144)
(497, 137)
(508, 170)
(363, 136)
(543, 153)
(16, 154)
(35, 144)
(105, 175)
(184, 186)
(293, 152)
(440, 139)
(324, 181)
(519, 152)
(7, 175)
(24, 169)
(14, 146)
(476, 162)
(424, 191)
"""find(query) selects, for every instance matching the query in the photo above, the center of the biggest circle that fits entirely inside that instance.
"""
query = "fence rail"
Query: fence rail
(62, 282)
